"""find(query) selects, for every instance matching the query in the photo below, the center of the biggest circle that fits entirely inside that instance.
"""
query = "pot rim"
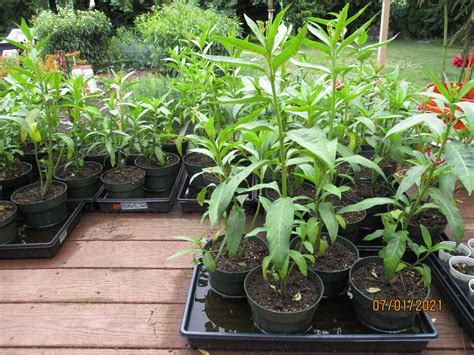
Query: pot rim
(89, 162)
(37, 202)
(460, 246)
(458, 260)
(197, 166)
(122, 183)
(160, 167)
(28, 170)
(319, 283)
(9, 203)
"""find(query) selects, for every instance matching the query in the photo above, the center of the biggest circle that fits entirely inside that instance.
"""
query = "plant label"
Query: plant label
(127, 206)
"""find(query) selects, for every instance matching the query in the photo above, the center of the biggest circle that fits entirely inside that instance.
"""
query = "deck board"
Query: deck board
(111, 290)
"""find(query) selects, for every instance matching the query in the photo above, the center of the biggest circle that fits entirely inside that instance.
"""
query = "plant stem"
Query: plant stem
(333, 99)
(445, 36)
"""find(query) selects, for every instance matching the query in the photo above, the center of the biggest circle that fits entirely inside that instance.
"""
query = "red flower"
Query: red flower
(458, 62)
(339, 85)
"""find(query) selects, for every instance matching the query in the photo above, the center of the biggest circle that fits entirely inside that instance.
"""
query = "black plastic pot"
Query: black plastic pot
(416, 236)
(191, 170)
(8, 186)
(82, 188)
(172, 148)
(159, 178)
(283, 322)
(102, 159)
(230, 284)
(133, 189)
(43, 214)
(210, 178)
(383, 320)
(30, 158)
(373, 222)
(8, 228)
(336, 283)
(352, 229)
(130, 159)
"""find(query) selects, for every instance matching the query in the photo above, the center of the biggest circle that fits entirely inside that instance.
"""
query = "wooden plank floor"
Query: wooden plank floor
(111, 290)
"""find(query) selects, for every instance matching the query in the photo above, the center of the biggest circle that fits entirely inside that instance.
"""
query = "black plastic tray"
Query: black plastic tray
(151, 202)
(212, 322)
(89, 202)
(456, 299)
(42, 243)
(190, 205)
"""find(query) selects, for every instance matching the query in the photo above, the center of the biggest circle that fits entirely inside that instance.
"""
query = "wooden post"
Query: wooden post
(271, 10)
(383, 36)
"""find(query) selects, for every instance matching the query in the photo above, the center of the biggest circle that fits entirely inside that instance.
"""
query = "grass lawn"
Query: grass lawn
(411, 57)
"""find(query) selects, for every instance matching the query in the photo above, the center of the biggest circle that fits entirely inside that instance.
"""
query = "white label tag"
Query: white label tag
(62, 236)
(134, 206)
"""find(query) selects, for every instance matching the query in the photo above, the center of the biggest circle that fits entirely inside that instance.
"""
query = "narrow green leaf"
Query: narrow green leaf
(327, 213)
(235, 229)
(450, 211)
(300, 261)
(412, 177)
(460, 158)
(366, 204)
(392, 254)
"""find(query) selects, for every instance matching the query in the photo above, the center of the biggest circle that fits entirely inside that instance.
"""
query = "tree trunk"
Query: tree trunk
(81, 4)
(53, 6)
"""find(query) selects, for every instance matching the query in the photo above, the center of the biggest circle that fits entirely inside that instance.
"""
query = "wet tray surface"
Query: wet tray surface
(213, 322)
(41, 243)
(151, 201)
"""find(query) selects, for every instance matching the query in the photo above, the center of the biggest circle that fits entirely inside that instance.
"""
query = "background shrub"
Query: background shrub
(127, 49)
(86, 31)
(167, 25)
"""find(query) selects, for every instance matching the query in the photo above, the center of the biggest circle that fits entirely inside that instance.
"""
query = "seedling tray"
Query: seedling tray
(190, 205)
(151, 202)
(456, 299)
(41, 243)
(212, 322)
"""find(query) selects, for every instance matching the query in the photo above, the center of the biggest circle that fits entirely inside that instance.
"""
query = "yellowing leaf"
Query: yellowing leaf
(297, 297)
(373, 290)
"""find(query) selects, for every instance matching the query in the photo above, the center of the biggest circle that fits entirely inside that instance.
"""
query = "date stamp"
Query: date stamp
(397, 305)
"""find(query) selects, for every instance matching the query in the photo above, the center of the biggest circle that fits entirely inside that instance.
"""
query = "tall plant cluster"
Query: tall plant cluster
(314, 135)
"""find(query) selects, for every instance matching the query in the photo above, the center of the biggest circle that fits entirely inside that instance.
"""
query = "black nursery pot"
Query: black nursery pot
(416, 236)
(172, 148)
(159, 178)
(8, 186)
(8, 228)
(30, 158)
(84, 187)
(336, 282)
(230, 284)
(352, 229)
(130, 159)
(46, 213)
(192, 169)
(382, 320)
(132, 189)
(102, 159)
(283, 322)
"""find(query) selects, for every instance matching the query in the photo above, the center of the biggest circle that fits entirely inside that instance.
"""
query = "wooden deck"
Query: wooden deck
(111, 289)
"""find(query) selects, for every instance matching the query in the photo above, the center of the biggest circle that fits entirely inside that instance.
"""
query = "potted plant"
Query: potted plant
(42, 204)
(8, 228)
(81, 177)
(461, 268)
(161, 168)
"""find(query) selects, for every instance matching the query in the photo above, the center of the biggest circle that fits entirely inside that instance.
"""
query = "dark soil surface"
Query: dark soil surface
(96, 151)
(32, 195)
(301, 293)
(6, 211)
(29, 148)
(361, 191)
(363, 174)
(303, 190)
(351, 217)
(123, 175)
(151, 164)
(250, 256)
(71, 173)
(430, 218)
(464, 269)
(199, 160)
(338, 257)
(454, 253)
(211, 177)
(17, 170)
(407, 285)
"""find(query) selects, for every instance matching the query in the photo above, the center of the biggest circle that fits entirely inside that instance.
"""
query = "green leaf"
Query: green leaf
(292, 48)
(412, 176)
(235, 61)
(410, 122)
(374, 235)
(451, 212)
(312, 66)
(256, 31)
(360, 160)
(300, 261)
(208, 261)
(392, 253)
(460, 158)
(243, 44)
(315, 141)
(426, 236)
(366, 204)
(326, 211)
(235, 229)
(425, 272)
(279, 224)
(182, 252)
